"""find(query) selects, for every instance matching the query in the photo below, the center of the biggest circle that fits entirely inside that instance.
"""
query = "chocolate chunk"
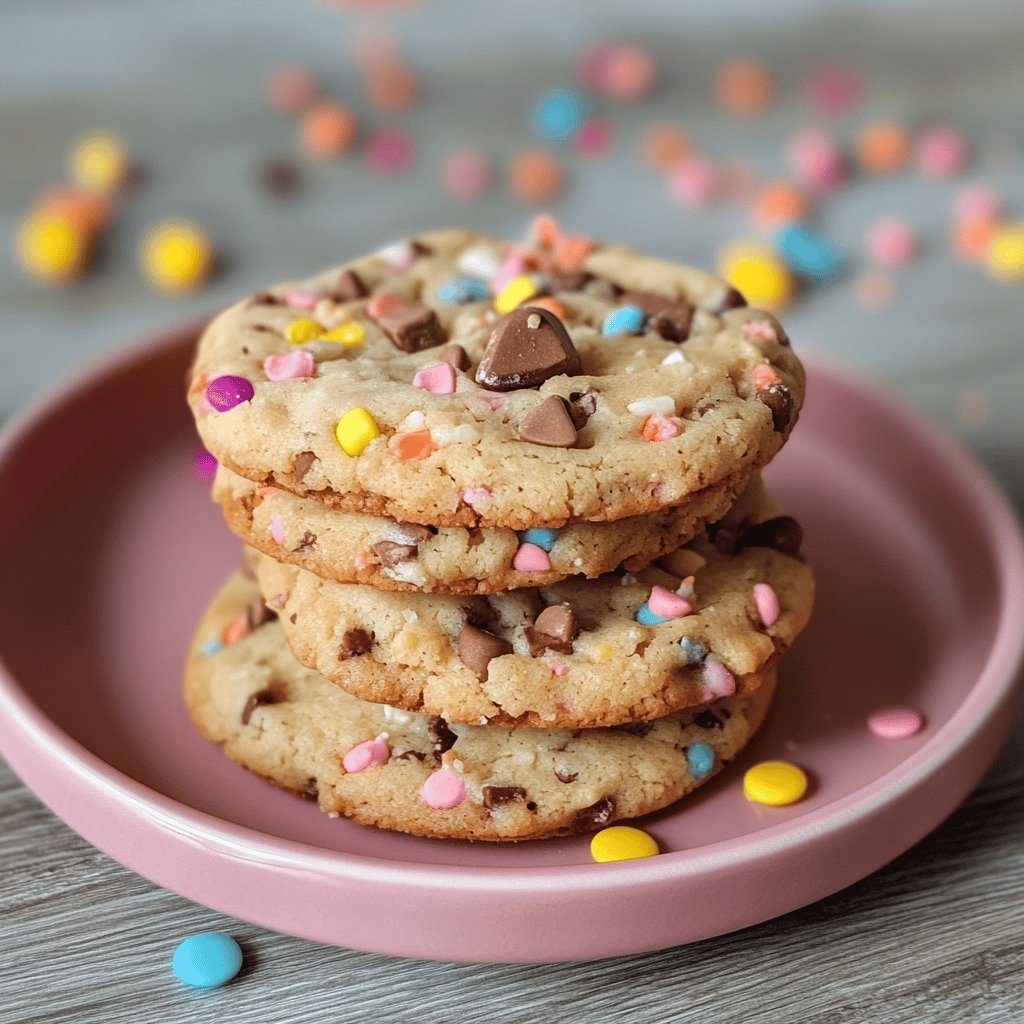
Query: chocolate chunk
(596, 814)
(311, 790)
(783, 533)
(582, 405)
(555, 629)
(256, 700)
(566, 777)
(391, 553)
(732, 299)
(569, 281)
(420, 249)
(413, 328)
(549, 424)
(280, 177)
(350, 286)
(354, 643)
(497, 796)
(264, 299)
(308, 540)
(455, 355)
(258, 613)
(301, 465)
(707, 720)
(777, 397)
(671, 318)
(477, 647)
(263, 329)
(526, 348)
(409, 755)
(440, 735)
(415, 533)
(293, 618)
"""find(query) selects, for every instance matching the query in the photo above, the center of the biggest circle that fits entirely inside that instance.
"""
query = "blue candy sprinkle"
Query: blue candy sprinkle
(212, 647)
(624, 320)
(700, 759)
(693, 652)
(463, 289)
(647, 618)
(809, 254)
(558, 113)
(206, 960)
(543, 536)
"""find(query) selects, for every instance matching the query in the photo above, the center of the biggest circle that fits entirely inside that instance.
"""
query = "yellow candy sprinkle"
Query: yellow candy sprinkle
(776, 783)
(622, 842)
(99, 163)
(758, 274)
(603, 652)
(347, 334)
(355, 430)
(50, 248)
(298, 332)
(176, 256)
(516, 292)
(1004, 257)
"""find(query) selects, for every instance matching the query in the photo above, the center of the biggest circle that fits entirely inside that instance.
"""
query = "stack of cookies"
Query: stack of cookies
(511, 570)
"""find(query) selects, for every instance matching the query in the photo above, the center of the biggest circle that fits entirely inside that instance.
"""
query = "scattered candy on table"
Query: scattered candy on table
(693, 182)
(558, 113)
(292, 88)
(941, 152)
(1004, 256)
(593, 138)
(465, 173)
(775, 783)
(206, 960)
(662, 146)
(895, 723)
(891, 242)
(816, 160)
(883, 147)
(534, 176)
(743, 87)
(51, 248)
(778, 203)
(834, 90)
(327, 130)
(176, 256)
(809, 253)
(99, 163)
(389, 151)
(622, 842)
(757, 273)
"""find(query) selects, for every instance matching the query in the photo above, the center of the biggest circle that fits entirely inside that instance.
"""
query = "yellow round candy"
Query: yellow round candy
(776, 783)
(298, 332)
(176, 256)
(99, 163)
(1004, 257)
(50, 248)
(355, 430)
(758, 274)
(622, 842)
(515, 293)
(348, 334)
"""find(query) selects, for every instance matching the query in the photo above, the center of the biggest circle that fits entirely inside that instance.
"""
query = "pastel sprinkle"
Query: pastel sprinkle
(474, 495)
(941, 153)
(289, 365)
(515, 293)
(235, 630)
(438, 379)
(443, 790)
(368, 754)
(648, 618)
(693, 183)
(624, 320)
(622, 842)
(463, 289)
(895, 723)
(389, 151)
(593, 139)
(277, 528)
(654, 405)
(415, 445)
(531, 558)
(543, 537)
(479, 260)
(775, 783)
(558, 670)
(494, 400)
(298, 332)
(355, 430)
(810, 254)
(760, 330)
(224, 393)
(210, 647)
(700, 760)
(816, 160)
(891, 242)
(692, 651)
(348, 334)
(206, 960)
(301, 300)
(383, 303)
(661, 428)
(204, 464)
(465, 173)
(767, 603)
(718, 680)
(667, 605)
(558, 113)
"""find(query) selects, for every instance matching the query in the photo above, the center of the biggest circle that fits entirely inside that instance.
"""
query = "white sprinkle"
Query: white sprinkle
(655, 405)
(396, 253)
(577, 562)
(414, 420)
(629, 369)
(673, 357)
(458, 765)
(461, 433)
(410, 616)
(634, 634)
(483, 719)
(395, 715)
(480, 260)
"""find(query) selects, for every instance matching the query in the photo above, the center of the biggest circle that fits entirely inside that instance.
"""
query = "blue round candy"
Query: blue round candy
(624, 320)
(647, 618)
(543, 536)
(809, 254)
(463, 289)
(211, 647)
(558, 113)
(206, 960)
(693, 652)
(700, 759)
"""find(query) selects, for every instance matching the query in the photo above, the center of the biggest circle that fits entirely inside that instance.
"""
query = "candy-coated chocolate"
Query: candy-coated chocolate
(622, 842)
(206, 960)
(775, 783)
(355, 430)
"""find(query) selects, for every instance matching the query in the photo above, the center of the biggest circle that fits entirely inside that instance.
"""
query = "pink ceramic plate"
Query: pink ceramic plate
(111, 549)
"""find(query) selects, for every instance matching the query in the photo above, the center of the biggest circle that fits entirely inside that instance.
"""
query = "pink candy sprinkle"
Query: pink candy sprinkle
(474, 495)
(389, 151)
(438, 380)
(289, 365)
(277, 528)
(667, 605)
(941, 152)
(760, 330)
(763, 376)
(693, 182)
(367, 754)
(815, 160)
(513, 266)
(834, 90)
(301, 300)
(895, 723)
(660, 428)
(767, 602)
(559, 669)
(494, 400)
(531, 558)
(627, 72)
(593, 138)
(382, 304)
(891, 242)
(465, 174)
(224, 393)
(204, 464)
(443, 790)
(718, 680)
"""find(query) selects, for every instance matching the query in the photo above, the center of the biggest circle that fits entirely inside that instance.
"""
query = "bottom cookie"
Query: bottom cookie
(421, 775)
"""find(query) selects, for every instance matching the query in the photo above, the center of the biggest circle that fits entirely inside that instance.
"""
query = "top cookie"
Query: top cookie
(456, 380)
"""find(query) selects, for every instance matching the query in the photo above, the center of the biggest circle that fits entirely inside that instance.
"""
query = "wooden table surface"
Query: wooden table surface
(936, 936)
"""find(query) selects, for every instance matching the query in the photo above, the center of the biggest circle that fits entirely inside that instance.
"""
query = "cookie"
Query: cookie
(455, 380)
(579, 654)
(351, 547)
(424, 776)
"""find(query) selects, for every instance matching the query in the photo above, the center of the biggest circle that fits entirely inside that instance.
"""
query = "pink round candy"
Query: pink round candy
(593, 138)
(389, 151)
(367, 754)
(591, 63)
(767, 603)
(718, 680)
(289, 365)
(465, 174)
(531, 558)
(891, 242)
(301, 300)
(667, 605)
(204, 464)
(626, 72)
(382, 304)
(277, 529)
(941, 152)
(475, 495)
(693, 182)
(443, 790)
(895, 723)
(834, 90)
(815, 159)
(224, 393)
(438, 380)
(976, 203)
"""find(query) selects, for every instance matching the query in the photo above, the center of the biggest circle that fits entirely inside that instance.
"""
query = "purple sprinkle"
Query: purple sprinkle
(224, 393)
(204, 465)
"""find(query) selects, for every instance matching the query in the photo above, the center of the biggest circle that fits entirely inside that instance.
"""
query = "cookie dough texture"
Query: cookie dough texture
(285, 434)
(552, 782)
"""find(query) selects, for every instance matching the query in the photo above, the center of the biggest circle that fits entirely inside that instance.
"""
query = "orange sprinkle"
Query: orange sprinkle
(548, 302)
(327, 130)
(743, 87)
(763, 376)
(663, 146)
(235, 630)
(417, 445)
(571, 252)
(883, 147)
(545, 231)
(969, 239)
(390, 86)
(382, 304)
(535, 176)
(779, 202)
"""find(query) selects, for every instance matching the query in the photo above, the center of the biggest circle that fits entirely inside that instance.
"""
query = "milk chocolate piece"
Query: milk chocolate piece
(497, 796)
(256, 700)
(354, 643)
(671, 318)
(554, 630)
(569, 281)
(477, 647)
(783, 533)
(308, 540)
(350, 287)
(732, 299)
(455, 355)
(526, 348)
(596, 814)
(549, 424)
(301, 465)
(413, 328)
(779, 400)
(391, 553)
(440, 735)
